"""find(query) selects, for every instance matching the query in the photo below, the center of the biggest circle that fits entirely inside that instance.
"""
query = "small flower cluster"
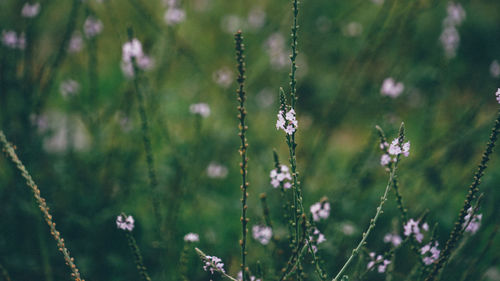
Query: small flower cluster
(200, 108)
(495, 69)
(497, 94)
(391, 88)
(133, 50)
(394, 239)
(262, 233)
(283, 176)
(275, 48)
(213, 263)
(393, 150)
(223, 77)
(216, 171)
(30, 10)
(191, 237)
(75, 44)
(472, 222)
(174, 15)
(125, 222)
(69, 88)
(252, 278)
(317, 238)
(450, 39)
(320, 210)
(287, 122)
(380, 260)
(11, 40)
(430, 253)
(92, 26)
(412, 227)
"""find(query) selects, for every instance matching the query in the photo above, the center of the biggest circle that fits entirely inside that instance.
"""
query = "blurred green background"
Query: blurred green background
(82, 141)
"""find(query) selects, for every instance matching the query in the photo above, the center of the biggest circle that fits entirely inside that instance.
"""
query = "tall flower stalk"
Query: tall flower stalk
(240, 58)
(11, 154)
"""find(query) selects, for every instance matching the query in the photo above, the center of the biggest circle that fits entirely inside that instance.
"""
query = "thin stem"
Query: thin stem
(11, 153)
(240, 58)
(214, 266)
(137, 256)
(456, 233)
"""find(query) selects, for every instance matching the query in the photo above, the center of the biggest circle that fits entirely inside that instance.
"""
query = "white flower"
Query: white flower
(125, 223)
(200, 108)
(391, 88)
(320, 210)
(283, 176)
(256, 18)
(223, 77)
(30, 10)
(352, 29)
(385, 159)
(394, 239)
(498, 95)
(174, 16)
(262, 233)
(475, 222)
(495, 69)
(75, 43)
(394, 148)
(382, 263)
(455, 15)
(132, 49)
(191, 237)
(69, 88)
(213, 263)
(430, 253)
(92, 26)
(215, 170)
(289, 123)
(9, 38)
(411, 227)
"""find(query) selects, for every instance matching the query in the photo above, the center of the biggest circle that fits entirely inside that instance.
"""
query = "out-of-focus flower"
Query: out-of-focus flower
(201, 109)
(133, 50)
(240, 277)
(256, 18)
(262, 233)
(430, 253)
(412, 227)
(174, 16)
(215, 170)
(275, 48)
(394, 239)
(30, 10)
(223, 77)
(9, 38)
(191, 237)
(75, 43)
(380, 260)
(281, 176)
(125, 222)
(472, 222)
(498, 95)
(231, 23)
(69, 88)
(450, 39)
(495, 69)
(320, 210)
(352, 29)
(92, 26)
(391, 88)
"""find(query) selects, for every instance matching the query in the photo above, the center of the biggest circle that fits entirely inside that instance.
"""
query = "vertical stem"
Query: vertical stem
(137, 256)
(240, 57)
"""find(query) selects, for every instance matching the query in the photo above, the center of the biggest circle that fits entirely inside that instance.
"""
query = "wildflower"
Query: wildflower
(9, 39)
(240, 277)
(473, 222)
(411, 227)
(262, 233)
(174, 16)
(200, 108)
(231, 23)
(385, 159)
(191, 237)
(75, 43)
(395, 149)
(288, 123)
(348, 228)
(353, 29)
(430, 253)
(316, 238)
(450, 39)
(391, 88)
(69, 88)
(275, 48)
(223, 77)
(455, 14)
(383, 263)
(498, 95)
(132, 49)
(213, 263)
(30, 10)
(495, 69)
(394, 239)
(283, 176)
(320, 210)
(215, 170)
(92, 26)
(256, 18)
(125, 222)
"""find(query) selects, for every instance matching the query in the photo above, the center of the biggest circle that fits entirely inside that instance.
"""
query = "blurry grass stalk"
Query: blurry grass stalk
(379, 211)
(457, 232)
(9, 150)
(146, 139)
(240, 58)
(137, 256)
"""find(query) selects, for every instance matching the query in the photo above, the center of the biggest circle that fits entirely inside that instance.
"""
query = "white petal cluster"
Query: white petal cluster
(282, 176)
(497, 94)
(132, 50)
(174, 15)
(69, 88)
(317, 238)
(450, 39)
(475, 221)
(191, 237)
(288, 122)
(92, 26)
(380, 260)
(201, 109)
(394, 239)
(30, 10)
(412, 227)
(75, 44)
(430, 253)
(320, 210)
(213, 263)
(125, 222)
(391, 88)
(223, 77)
(12, 40)
(217, 171)
(393, 150)
(252, 278)
(262, 233)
